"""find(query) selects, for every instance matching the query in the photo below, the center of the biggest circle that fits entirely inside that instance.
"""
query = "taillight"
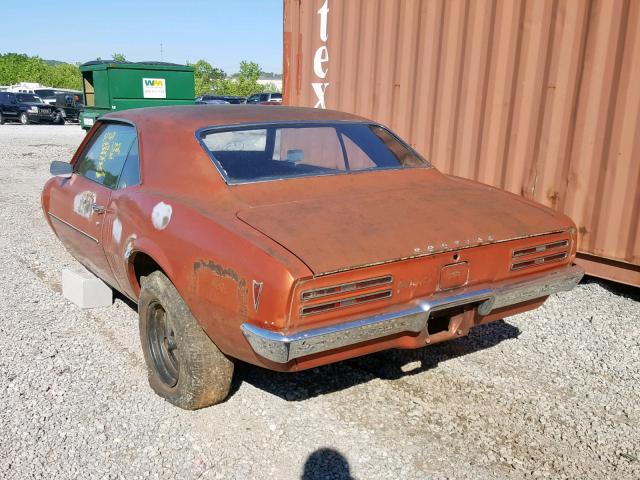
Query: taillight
(540, 248)
(540, 254)
(339, 290)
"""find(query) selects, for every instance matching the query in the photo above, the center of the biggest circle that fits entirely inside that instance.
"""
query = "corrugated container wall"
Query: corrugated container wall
(538, 97)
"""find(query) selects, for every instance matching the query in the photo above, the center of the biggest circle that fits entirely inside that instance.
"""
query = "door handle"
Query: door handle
(99, 209)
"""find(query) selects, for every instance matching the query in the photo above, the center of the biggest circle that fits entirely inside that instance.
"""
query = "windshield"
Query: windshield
(248, 154)
(28, 97)
(45, 93)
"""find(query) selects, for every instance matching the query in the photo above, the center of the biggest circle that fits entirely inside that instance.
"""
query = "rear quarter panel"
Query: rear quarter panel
(212, 261)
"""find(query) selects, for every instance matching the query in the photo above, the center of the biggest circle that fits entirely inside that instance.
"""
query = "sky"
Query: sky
(222, 32)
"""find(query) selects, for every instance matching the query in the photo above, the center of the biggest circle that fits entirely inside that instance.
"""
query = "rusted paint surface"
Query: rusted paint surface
(293, 235)
(540, 98)
(222, 287)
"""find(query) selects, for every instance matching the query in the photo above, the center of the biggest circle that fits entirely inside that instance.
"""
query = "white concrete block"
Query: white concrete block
(85, 289)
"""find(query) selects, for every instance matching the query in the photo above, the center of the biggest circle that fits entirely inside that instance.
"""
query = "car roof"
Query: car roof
(194, 117)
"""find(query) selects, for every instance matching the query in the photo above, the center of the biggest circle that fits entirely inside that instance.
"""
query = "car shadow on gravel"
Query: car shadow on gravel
(388, 365)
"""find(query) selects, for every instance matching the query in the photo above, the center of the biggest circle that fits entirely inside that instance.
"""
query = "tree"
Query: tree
(245, 83)
(16, 68)
(207, 77)
(65, 75)
(119, 57)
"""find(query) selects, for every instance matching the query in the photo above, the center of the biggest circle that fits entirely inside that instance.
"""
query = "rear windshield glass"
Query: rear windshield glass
(248, 154)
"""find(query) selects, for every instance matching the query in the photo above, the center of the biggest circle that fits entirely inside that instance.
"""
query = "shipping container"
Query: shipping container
(541, 98)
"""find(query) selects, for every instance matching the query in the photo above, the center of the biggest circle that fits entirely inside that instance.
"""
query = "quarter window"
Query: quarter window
(104, 159)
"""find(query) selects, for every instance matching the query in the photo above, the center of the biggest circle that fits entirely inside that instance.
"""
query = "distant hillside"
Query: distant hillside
(16, 68)
(53, 63)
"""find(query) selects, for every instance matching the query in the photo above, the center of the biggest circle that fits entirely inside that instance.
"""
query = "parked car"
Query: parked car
(69, 106)
(211, 101)
(216, 99)
(292, 238)
(25, 108)
(266, 98)
(68, 103)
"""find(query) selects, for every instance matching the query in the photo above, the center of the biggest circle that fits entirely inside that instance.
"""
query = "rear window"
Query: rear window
(275, 151)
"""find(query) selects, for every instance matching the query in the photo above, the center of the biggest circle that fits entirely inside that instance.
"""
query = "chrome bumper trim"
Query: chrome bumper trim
(413, 318)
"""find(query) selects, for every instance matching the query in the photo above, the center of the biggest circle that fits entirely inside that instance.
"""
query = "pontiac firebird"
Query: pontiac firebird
(290, 238)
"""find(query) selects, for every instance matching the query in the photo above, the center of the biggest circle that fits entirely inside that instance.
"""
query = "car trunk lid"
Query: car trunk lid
(392, 216)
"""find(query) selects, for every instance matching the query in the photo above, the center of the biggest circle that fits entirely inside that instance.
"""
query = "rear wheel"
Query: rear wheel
(24, 119)
(184, 365)
(1, 119)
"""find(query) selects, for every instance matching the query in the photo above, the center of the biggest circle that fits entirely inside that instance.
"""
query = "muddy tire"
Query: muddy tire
(184, 365)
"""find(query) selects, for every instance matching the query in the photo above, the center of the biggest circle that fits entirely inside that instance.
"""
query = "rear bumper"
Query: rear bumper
(412, 318)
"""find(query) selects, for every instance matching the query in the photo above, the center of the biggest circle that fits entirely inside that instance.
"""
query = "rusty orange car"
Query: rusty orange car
(290, 238)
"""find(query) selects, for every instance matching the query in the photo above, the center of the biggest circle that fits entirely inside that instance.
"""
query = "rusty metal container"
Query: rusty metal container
(541, 98)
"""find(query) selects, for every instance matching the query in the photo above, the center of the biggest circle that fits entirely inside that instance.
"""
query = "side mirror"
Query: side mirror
(61, 169)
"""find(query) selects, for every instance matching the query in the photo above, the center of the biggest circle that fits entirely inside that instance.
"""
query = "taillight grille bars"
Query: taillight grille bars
(346, 287)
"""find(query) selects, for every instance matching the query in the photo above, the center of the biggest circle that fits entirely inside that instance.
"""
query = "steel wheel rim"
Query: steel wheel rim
(162, 344)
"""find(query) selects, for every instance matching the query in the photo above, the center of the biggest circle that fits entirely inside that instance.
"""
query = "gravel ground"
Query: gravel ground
(550, 393)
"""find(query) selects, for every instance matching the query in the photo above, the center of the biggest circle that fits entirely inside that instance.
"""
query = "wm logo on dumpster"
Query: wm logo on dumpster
(154, 88)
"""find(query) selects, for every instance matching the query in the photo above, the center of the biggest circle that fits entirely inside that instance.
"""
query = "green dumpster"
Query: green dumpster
(112, 85)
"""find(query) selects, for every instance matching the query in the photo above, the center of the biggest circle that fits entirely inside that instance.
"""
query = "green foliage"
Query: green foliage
(245, 83)
(16, 68)
(207, 77)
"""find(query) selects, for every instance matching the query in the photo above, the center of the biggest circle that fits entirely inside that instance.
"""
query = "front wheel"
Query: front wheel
(24, 119)
(184, 365)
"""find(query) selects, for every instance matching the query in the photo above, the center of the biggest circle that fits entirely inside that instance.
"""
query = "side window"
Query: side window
(103, 160)
(130, 175)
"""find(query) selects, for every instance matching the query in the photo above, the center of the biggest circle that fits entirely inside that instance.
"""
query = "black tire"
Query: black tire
(59, 119)
(1, 119)
(24, 119)
(184, 365)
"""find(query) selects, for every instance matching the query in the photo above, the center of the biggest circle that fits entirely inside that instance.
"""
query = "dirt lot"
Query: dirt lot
(552, 393)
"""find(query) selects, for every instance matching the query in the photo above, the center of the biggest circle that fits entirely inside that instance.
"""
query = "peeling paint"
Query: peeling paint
(83, 203)
(129, 247)
(230, 273)
(161, 215)
(116, 230)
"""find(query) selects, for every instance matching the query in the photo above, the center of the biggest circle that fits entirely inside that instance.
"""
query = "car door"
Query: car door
(11, 108)
(121, 220)
(78, 205)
